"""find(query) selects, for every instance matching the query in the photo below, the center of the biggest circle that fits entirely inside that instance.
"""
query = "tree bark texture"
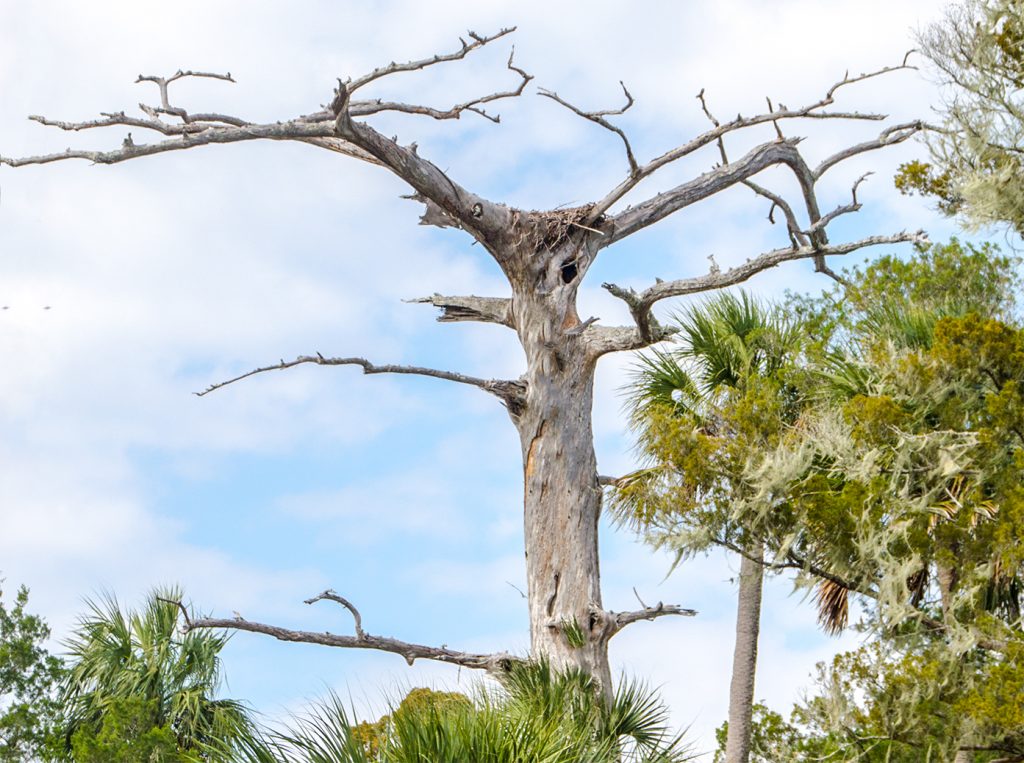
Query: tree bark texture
(562, 497)
(744, 660)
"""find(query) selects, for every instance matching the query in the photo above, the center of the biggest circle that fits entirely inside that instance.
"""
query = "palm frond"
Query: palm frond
(536, 715)
(659, 379)
(116, 654)
(906, 326)
(833, 601)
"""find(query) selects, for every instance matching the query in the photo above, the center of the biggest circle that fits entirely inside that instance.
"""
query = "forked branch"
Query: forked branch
(162, 83)
(610, 339)
(815, 110)
(599, 117)
(496, 663)
(328, 128)
(478, 41)
(619, 620)
(778, 152)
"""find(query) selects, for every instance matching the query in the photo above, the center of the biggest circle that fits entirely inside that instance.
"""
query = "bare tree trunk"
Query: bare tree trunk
(562, 497)
(744, 660)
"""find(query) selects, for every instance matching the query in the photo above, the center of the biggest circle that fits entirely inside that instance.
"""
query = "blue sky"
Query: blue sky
(168, 273)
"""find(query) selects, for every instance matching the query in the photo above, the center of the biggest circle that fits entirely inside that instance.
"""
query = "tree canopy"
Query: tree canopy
(977, 52)
(29, 683)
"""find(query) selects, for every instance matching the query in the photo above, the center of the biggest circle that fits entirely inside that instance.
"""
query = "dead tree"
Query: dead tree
(545, 255)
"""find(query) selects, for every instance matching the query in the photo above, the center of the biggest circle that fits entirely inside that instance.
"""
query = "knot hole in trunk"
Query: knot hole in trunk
(569, 271)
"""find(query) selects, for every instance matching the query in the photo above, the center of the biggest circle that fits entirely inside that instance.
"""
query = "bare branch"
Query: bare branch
(582, 327)
(650, 331)
(814, 110)
(767, 260)
(796, 235)
(497, 663)
(163, 82)
(853, 206)
(848, 80)
(507, 390)
(604, 340)
(598, 117)
(484, 220)
(888, 137)
(410, 66)
(474, 105)
(704, 108)
(180, 606)
(120, 119)
(316, 134)
(330, 595)
(778, 152)
(619, 620)
(481, 309)
(661, 206)
(333, 129)
(716, 123)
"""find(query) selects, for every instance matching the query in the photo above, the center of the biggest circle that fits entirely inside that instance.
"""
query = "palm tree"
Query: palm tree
(119, 656)
(702, 410)
(535, 716)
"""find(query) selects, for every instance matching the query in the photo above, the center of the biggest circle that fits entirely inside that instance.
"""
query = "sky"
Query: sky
(128, 288)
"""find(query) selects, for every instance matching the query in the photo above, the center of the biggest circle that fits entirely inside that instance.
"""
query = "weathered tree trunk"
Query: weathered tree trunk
(562, 497)
(744, 660)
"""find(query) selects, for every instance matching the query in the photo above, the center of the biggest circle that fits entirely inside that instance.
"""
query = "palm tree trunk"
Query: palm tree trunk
(947, 581)
(744, 660)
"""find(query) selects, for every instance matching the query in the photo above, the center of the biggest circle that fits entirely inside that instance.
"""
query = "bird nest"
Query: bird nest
(549, 229)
